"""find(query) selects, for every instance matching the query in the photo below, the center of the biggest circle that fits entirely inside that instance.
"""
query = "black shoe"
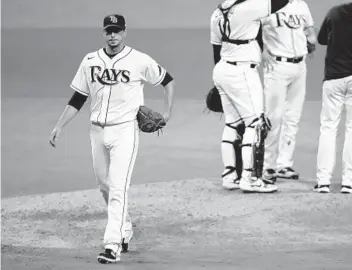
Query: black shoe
(269, 177)
(287, 173)
(346, 189)
(322, 188)
(108, 256)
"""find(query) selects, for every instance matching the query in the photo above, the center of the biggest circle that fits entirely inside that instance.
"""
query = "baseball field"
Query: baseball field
(52, 214)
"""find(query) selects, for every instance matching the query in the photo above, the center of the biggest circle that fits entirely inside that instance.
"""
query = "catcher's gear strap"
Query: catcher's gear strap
(226, 28)
(77, 100)
(168, 78)
(230, 169)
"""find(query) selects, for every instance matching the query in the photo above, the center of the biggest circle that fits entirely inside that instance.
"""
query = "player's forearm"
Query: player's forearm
(169, 95)
(68, 114)
(311, 35)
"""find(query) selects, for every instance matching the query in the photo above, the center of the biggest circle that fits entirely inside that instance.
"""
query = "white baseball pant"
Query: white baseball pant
(114, 150)
(284, 95)
(241, 94)
(337, 95)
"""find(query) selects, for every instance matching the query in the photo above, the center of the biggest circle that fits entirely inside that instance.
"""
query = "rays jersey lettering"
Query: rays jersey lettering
(108, 76)
(284, 31)
(115, 85)
(293, 21)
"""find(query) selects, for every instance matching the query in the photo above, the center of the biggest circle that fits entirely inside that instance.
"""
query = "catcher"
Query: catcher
(235, 26)
(114, 77)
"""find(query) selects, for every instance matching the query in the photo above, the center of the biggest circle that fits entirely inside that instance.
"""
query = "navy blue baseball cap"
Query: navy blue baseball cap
(114, 20)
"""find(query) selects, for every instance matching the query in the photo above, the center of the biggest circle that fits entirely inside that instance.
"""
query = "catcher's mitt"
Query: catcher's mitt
(149, 121)
(311, 47)
(213, 100)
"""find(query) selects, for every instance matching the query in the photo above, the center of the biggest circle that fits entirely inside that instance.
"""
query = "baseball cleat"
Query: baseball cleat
(322, 188)
(257, 186)
(125, 243)
(287, 173)
(230, 184)
(346, 189)
(269, 176)
(108, 257)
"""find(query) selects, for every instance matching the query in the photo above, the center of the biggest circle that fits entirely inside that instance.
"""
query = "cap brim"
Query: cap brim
(114, 26)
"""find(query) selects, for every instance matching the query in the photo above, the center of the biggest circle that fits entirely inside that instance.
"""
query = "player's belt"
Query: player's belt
(290, 60)
(236, 63)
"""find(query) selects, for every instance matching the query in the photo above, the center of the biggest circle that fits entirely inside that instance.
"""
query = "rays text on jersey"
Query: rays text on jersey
(293, 21)
(109, 76)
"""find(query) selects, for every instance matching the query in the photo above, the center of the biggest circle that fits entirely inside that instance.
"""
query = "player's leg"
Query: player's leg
(246, 93)
(230, 150)
(295, 97)
(230, 140)
(333, 99)
(122, 140)
(101, 160)
(253, 138)
(275, 89)
(347, 149)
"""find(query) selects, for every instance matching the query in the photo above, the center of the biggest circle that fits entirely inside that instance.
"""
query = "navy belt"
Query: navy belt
(289, 60)
(235, 64)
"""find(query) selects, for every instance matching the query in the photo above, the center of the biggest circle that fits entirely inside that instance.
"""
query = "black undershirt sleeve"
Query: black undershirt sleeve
(278, 4)
(216, 52)
(168, 78)
(77, 100)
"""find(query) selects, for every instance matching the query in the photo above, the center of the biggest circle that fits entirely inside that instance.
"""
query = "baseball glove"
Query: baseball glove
(311, 47)
(149, 121)
(213, 100)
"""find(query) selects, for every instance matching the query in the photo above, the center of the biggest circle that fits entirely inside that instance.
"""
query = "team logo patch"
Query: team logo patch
(109, 76)
(113, 19)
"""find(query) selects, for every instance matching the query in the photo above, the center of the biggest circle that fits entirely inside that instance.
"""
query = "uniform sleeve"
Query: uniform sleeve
(80, 81)
(215, 34)
(152, 72)
(252, 10)
(309, 22)
(324, 30)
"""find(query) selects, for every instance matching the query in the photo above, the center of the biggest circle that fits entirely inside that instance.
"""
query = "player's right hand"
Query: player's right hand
(54, 136)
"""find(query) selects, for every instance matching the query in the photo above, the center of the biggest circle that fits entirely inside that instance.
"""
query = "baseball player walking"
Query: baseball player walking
(234, 29)
(286, 34)
(336, 34)
(113, 77)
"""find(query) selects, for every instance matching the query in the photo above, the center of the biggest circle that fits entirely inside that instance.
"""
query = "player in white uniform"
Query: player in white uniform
(234, 28)
(285, 36)
(113, 77)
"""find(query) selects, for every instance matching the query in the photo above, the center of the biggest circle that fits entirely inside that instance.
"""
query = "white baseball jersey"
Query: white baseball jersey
(283, 31)
(116, 84)
(244, 23)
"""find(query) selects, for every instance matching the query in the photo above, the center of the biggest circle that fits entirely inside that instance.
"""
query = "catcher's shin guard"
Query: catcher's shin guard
(234, 137)
(261, 130)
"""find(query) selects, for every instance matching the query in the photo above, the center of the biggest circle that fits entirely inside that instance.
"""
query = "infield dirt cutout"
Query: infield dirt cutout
(193, 223)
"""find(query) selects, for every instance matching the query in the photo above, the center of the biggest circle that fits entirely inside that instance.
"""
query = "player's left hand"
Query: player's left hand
(54, 136)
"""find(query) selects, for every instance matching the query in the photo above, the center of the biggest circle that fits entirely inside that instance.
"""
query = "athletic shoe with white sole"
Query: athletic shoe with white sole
(269, 176)
(257, 186)
(322, 188)
(108, 257)
(229, 184)
(346, 189)
(287, 173)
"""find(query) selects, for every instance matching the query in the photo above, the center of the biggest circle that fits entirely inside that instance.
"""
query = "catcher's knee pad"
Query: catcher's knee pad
(233, 134)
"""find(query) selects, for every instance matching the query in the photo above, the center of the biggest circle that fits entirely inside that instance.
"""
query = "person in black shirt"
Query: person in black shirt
(336, 34)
